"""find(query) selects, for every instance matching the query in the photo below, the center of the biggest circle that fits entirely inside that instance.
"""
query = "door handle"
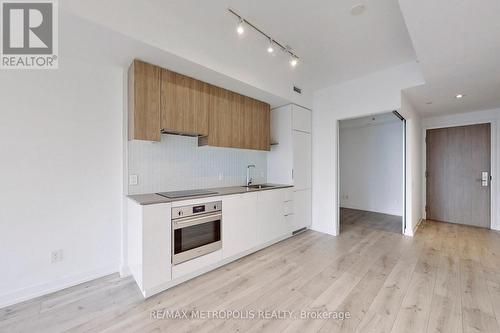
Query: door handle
(484, 179)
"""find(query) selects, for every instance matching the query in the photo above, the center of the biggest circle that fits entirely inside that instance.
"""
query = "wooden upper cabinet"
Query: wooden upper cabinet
(144, 101)
(265, 130)
(258, 116)
(164, 101)
(185, 104)
(221, 122)
(237, 121)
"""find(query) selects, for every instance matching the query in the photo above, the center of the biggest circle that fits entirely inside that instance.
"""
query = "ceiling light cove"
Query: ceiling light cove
(272, 43)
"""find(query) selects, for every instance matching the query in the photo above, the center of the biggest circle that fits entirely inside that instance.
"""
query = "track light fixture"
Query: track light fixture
(270, 48)
(240, 30)
(294, 58)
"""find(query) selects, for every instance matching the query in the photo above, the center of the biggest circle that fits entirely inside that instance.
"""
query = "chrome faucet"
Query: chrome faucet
(249, 179)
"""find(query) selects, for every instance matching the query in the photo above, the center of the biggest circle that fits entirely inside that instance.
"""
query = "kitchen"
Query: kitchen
(181, 166)
(213, 225)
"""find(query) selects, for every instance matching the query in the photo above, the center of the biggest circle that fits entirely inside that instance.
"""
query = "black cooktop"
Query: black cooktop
(188, 193)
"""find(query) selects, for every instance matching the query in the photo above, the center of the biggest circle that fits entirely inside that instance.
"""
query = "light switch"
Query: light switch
(133, 180)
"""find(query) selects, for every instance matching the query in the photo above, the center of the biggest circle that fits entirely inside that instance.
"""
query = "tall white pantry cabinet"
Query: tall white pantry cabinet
(289, 161)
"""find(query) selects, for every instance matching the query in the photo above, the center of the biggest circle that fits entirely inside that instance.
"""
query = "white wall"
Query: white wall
(375, 93)
(371, 166)
(177, 163)
(61, 158)
(414, 158)
(470, 118)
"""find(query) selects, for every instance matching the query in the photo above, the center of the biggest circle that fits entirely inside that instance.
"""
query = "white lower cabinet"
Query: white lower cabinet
(271, 215)
(250, 221)
(239, 229)
(149, 245)
(302, 209)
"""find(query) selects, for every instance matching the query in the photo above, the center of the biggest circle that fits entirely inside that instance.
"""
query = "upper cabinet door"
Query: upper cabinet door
(265, 126)
(162, 100)
(257, 124)
(144, 101)
(302, 166)
(301, 119)
(237, 106)
(185, 104)
(249, 127)
(221, 120)
(237, 121)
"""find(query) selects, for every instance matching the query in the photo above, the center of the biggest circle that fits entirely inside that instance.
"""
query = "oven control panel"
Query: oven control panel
(191, 210)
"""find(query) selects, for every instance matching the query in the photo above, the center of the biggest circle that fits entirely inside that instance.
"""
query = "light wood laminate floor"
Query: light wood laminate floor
(445, 279)
(372, 220)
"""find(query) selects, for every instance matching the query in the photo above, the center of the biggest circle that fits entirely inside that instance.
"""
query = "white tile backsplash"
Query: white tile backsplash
(177, 163)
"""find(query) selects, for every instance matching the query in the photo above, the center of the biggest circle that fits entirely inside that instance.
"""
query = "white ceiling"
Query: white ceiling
(100, 46)
(333, 45)
(458, 46)
(378, 119)
(457, 42)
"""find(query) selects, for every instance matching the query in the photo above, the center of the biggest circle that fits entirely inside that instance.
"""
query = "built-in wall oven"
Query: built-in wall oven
(196, 230)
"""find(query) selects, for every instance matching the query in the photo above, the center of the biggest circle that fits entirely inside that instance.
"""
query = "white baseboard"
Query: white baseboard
(124, 271)
(411, 232)
(169, 284)
(323, 231)
(31, 292)
(494, 225)
(355, 207)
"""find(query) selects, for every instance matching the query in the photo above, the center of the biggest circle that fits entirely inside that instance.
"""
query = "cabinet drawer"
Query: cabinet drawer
(288, 207)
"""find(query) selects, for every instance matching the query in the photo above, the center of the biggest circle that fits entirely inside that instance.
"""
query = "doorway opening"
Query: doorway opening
(372, 173)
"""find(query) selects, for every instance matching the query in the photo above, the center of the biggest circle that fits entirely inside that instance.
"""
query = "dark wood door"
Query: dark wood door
(456, 160)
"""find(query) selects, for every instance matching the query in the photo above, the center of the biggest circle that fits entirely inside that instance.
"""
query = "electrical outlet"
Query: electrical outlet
(133, 180)
(56, 256)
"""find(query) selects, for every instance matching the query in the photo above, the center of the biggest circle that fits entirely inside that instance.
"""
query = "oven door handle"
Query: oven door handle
(190, 221)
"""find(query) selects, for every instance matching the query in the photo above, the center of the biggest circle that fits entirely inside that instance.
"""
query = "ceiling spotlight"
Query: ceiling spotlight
(272, 44)
(240, 28)
(459, 96)
(270, 48)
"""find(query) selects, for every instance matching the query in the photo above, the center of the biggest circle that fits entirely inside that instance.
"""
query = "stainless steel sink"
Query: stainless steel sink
(259, 186)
